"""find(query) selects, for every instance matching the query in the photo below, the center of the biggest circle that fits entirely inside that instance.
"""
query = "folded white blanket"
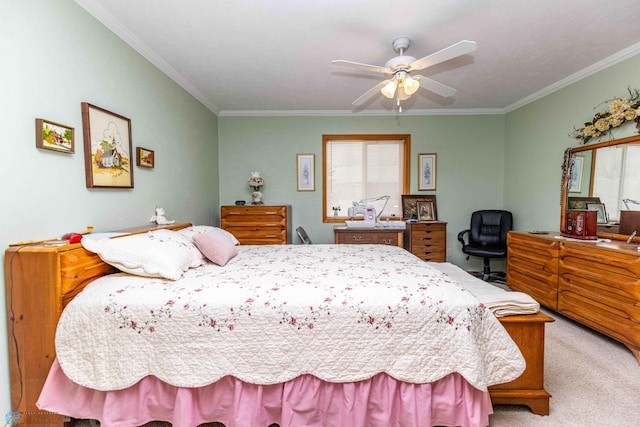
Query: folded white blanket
(500, 301)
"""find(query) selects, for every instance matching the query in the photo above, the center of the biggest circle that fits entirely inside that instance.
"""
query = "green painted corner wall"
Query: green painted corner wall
(538, 133)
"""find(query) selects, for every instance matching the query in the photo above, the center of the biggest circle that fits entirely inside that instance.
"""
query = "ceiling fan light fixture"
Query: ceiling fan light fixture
(410, 85)
(402, 94)
(389, 90)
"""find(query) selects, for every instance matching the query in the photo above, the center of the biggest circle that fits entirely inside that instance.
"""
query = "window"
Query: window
(364, 167)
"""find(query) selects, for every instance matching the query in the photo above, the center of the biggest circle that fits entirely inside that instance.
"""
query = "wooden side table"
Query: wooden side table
(374, 235)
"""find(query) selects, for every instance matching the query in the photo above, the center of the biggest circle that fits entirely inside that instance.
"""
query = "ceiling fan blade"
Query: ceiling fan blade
(360, 66)
(368, 94)
(461, 48)
(435, 87)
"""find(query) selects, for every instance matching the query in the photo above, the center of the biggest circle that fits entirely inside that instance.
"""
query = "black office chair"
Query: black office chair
(303, 236)
(487, 238)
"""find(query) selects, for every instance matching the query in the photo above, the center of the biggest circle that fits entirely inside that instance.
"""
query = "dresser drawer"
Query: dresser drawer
(377, 236)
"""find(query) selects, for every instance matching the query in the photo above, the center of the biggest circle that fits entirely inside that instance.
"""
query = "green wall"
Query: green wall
(55, 56)
(538, 133)
(470, 162)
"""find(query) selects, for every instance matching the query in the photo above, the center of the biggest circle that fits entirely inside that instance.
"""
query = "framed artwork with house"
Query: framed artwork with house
(107, 148)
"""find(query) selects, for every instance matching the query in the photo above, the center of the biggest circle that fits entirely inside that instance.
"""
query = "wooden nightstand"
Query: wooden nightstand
(427, 240)
(361, 236)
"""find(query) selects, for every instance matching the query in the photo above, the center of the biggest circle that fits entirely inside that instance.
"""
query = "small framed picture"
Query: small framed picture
(602, 212)
(575, 178)
(54, 136)
(426, 171)
(425, 211)
(145, 158)
(306, 172)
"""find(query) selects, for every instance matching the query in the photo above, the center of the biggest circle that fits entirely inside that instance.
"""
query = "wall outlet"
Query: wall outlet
(449, 252)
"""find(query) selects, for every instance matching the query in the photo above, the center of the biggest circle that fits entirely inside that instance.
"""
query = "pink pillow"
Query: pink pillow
(216, 246)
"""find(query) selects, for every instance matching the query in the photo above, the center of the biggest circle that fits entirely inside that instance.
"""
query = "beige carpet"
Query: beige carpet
(594, 381)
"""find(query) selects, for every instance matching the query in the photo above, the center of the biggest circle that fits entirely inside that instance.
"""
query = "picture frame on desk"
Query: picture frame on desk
(602, 212)
(425, 211)
(410, 205)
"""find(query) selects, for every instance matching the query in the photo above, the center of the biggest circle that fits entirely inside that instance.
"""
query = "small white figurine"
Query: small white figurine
(159, 217)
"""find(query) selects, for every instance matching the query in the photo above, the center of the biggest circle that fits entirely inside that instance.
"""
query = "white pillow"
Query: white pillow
(158, 253)
(199, 229)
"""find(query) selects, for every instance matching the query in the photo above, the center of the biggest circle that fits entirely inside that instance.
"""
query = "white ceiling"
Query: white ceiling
(273, 57)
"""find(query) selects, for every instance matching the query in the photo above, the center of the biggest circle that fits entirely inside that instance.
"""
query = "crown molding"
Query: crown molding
(607, 62)
(106, 19)
(334, 113)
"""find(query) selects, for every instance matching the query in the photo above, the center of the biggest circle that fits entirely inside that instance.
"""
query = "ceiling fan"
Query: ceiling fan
(402, 84)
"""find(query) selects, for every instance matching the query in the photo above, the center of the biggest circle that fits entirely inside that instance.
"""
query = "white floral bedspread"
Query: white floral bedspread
(339, 312)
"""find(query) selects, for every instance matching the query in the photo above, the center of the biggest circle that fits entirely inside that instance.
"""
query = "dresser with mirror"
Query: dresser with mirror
(595, 282)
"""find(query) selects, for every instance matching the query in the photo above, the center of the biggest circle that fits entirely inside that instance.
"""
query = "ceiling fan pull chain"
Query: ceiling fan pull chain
(399, 106)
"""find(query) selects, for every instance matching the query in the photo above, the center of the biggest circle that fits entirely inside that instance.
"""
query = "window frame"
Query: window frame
(406, 153)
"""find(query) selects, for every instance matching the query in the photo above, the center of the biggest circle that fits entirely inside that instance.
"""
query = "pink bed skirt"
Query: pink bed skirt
(304, 401)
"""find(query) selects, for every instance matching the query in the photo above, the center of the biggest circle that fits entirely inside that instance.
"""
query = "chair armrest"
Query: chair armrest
(461, 236)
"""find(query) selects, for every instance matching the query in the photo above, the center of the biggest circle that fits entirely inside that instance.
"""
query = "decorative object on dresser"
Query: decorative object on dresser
(257, 225)
(367, 235)
(54, 136)
(255, 182)
(486, 238)
(427, 171)
(108, 151)
(410, 205)
(305, 168)
(594, 283)
(581, 224)
(427, 240)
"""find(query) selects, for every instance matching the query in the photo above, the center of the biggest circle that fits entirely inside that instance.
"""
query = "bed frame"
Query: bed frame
(41, 279)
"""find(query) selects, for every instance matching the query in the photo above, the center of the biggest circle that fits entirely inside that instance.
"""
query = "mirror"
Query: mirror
(606, 173)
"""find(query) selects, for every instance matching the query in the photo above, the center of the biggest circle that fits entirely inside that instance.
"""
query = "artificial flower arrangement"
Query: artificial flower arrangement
(620, 111)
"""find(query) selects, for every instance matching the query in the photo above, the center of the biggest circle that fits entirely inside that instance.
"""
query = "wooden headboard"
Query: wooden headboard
(40, 281)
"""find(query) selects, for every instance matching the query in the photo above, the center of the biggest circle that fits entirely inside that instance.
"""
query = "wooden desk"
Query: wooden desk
(360, 236)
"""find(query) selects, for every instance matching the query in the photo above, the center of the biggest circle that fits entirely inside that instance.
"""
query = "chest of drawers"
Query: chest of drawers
(594, 283)
(257, 225)
(427, 240)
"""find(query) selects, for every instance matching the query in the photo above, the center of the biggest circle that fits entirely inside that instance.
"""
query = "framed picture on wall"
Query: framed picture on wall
(54, 136)
(426, 172)
(145, 158)
(306, 172)
(107, 148)
(575, 178)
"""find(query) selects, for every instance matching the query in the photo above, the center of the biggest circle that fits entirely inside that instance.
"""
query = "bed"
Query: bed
(288, 334)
